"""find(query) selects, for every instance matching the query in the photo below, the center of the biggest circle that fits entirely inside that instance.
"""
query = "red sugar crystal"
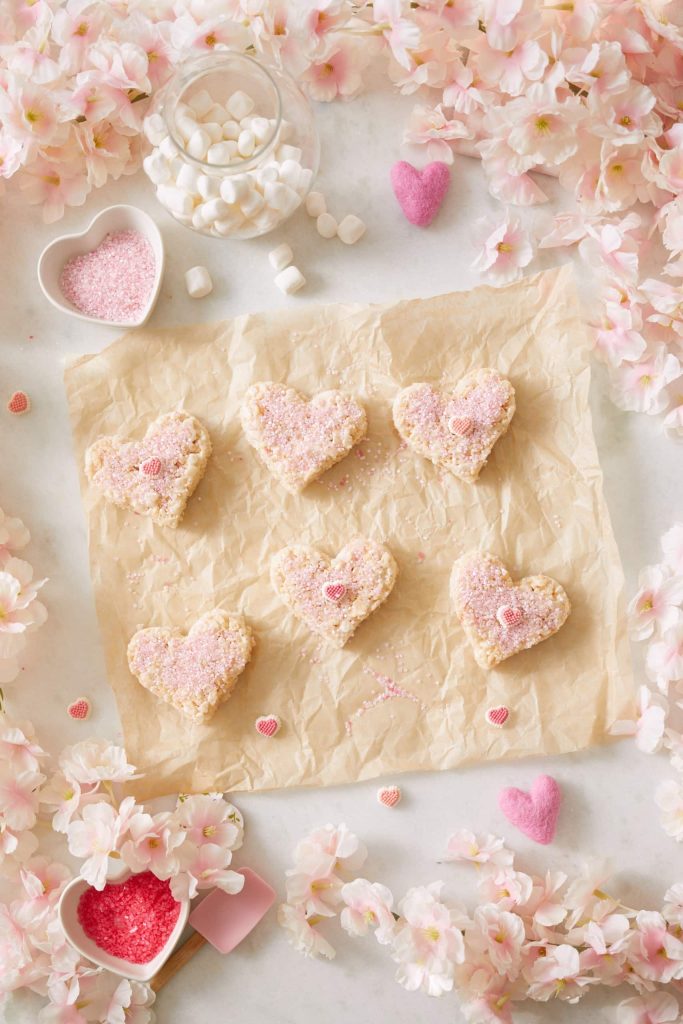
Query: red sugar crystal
(131, 920)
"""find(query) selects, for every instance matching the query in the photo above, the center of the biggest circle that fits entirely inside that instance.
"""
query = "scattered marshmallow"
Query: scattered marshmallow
(252, 203)
(350, 229)
(316, 204)
(290, 280)
(246, 144)
(326, 225)
(176, 200)
(198, 144)
(280, 257)
(198, 282)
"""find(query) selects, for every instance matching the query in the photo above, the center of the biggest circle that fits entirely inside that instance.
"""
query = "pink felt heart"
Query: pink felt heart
(268, 725)
(534, 813)
(389, 795)
(420, 193)
(498, 716)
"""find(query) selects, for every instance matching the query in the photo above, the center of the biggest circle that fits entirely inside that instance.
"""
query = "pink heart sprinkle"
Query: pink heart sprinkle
(79, 709)
(334, 591)
(509, 616)
(268, 725)
(461, 425)
(534, 813)
(152, 467)
(389, 795)
(420, 193)
(19, 403)
(498, 716)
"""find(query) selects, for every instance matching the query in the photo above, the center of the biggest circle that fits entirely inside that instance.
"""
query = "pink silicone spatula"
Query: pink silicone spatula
(223, 921)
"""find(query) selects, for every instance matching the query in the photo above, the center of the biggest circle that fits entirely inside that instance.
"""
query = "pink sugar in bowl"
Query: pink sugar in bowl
(110, 273)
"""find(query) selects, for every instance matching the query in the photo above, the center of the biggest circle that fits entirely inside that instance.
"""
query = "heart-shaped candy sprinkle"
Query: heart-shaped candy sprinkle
(79, 709)
(461, 426)
(498, 716)
(334, 591)
(151, 467)
(268, 725)
(19, 403)
(509, 616)
(389, 795)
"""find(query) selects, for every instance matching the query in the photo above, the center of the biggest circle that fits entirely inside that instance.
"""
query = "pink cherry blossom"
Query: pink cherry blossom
(430, 126)
(601, 68)
(55, 184)
(557, 974)
(318, 890)
(337, 74)
(465, 846)
(13, 536)
(29, 114)
(302, 934)
(612, 248)
(208, 818)
(426, 944)
(367, 905)
(500, 936)
(97, 834)
(204, 867)
(672, 911)
(152, 844)
(505, 887)
(510, 70)
(654, 953)
(505, 249)
(509, 21)
(506, 173)
(542, 127)
(18, 745)
(18, 797)
(625, 117)
(672, 548)
(401, 34)
(664, 660)
(657, 604)
(546, 904)
(651, 1008)
(669, 799)
(95, 760)
(641, 386)
(460, 92)
(64, 796)
(648, 729)
(336, 841)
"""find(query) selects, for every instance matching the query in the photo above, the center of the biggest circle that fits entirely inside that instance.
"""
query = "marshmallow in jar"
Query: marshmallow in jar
(234, 149)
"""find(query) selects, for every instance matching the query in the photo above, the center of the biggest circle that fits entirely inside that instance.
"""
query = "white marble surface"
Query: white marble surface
(609, 808)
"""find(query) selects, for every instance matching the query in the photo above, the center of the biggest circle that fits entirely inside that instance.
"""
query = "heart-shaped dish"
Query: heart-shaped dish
(73, 930)
(113, 219)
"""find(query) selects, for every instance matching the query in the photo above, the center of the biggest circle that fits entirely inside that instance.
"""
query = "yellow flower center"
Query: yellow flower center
(500, 938)
(209, 830)
(625, 120)
(211, 39)
(432, 933)
(32, 116)
(82, 29)
(542, 124)
(504, 247)
(645, 380)
(153, 843)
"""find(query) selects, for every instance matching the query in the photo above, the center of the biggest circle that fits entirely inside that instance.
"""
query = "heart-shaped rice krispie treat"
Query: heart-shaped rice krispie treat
(155, 476)
(458, 427)
(298, 438)
(501, 617)
(333, 596)
(193, 672)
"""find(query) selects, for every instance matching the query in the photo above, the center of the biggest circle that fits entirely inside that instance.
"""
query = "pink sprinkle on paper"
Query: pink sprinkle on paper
(115, 280)
(131, 920)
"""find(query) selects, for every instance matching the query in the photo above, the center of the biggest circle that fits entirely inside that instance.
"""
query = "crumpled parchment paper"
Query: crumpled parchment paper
(406, 693)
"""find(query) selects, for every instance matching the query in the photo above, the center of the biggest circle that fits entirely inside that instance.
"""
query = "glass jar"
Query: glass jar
(233, 146)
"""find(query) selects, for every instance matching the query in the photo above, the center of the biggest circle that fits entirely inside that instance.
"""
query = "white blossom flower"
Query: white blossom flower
(426, 944)
(669, 799)
(657, 603)
(96, 835)
(463, 845)
(367, 905)
(504, 248)
(95, 760)
(664, 659)
(301, 932)
(648, 728)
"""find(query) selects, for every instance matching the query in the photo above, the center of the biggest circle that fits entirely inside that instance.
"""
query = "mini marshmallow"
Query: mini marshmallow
(198, 144)
(260, 128)
(289, 153)
(175, 200)
(228, 225)
(316, 204)
(213, 130)
(305, 179)
(187, 178)
(216, 112)
(326, 225)
(350, 229)
(220, 153)
(235, 188)
(168, 148)
(208, 187)
(156, 168)
(239, 105)
(198, 282)
(213, 209)
(246, 144)
(252, 203)
(268, 173)
(280, 257)
(290, 280)
(290, 172)
(187, 126)
(197, 219)
(155, 129)
(278, 195)
(231, 130)
(201, 103)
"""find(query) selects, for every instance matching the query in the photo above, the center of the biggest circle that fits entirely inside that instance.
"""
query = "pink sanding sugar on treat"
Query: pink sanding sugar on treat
(115, 280)
(131, 920)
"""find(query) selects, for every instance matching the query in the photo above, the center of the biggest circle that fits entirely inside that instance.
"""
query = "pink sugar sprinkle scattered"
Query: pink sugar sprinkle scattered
(131, 920)
(115, 280)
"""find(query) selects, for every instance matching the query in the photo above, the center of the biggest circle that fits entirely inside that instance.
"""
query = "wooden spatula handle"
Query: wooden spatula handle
(176, 962)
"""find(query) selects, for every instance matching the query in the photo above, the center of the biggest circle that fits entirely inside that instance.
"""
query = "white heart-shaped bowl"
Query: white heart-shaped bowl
(73, 930)
(62, 249)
